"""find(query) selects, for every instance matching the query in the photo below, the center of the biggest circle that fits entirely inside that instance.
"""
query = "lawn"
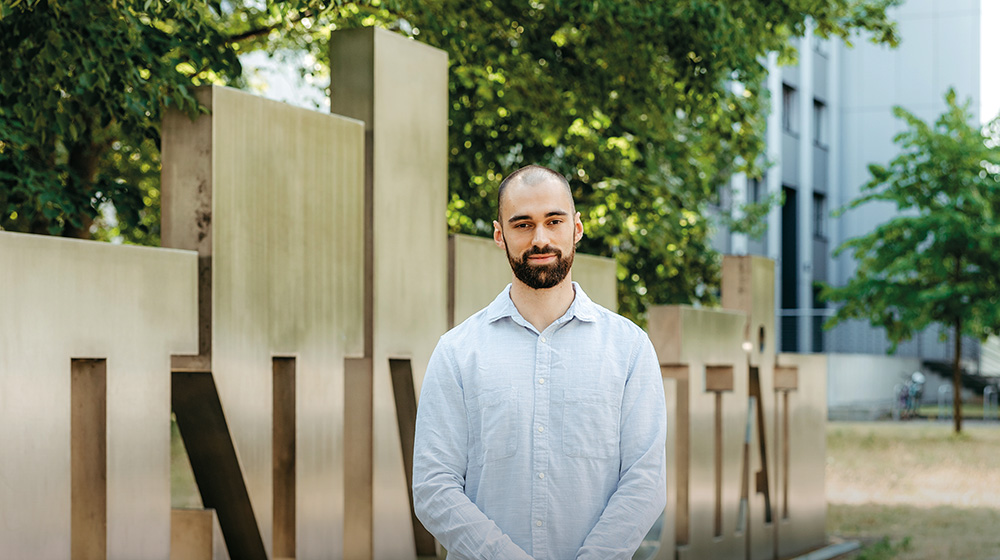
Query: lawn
(931, 493)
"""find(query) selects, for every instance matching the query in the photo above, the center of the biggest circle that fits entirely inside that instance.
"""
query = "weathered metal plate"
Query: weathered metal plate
(272, 198)
(130, 307)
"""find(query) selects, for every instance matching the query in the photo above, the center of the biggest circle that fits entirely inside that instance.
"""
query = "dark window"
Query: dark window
(819, 215)
(755, 190)
(819, 123)
(789, 118)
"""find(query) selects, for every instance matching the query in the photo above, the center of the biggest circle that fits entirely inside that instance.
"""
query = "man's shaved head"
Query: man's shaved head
(531, 175)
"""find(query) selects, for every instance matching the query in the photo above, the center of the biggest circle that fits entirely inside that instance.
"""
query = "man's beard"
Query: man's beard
(542, 276)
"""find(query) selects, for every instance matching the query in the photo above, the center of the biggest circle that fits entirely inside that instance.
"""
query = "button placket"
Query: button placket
(540, 446)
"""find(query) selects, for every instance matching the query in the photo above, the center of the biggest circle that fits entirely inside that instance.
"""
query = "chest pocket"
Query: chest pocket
(590, 423)
(495, 412)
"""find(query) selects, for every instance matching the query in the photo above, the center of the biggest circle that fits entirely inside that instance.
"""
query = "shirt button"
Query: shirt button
(541, 475)
(541, 381)
(538, 523)
(543, 339)
(541, 429)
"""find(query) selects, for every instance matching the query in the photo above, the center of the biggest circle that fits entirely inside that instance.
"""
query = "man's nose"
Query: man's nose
(541, 237)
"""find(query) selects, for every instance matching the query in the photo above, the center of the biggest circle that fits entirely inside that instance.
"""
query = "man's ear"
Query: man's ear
(577, 228)
(498, 235)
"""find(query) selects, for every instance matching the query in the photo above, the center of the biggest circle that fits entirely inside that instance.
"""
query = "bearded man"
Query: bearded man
(541, 424)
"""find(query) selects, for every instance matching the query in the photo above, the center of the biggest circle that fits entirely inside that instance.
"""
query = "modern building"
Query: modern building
(831, 116)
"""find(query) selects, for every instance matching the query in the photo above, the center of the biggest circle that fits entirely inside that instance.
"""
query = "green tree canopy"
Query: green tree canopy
(647, 106)
(938, 261)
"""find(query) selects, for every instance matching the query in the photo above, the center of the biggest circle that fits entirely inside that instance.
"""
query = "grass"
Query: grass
(969, 410)
(915, 490)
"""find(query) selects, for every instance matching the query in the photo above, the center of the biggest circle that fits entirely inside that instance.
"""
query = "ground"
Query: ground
(931, 493)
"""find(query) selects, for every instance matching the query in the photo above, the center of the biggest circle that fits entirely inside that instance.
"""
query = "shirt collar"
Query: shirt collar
(582, 307)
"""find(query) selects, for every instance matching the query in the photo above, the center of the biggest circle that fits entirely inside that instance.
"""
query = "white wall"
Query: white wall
(939, 49)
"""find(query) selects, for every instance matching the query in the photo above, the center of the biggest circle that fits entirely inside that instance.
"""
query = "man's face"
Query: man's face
(539, 229)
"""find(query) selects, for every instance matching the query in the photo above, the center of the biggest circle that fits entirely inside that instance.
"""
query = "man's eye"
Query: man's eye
(520, 226)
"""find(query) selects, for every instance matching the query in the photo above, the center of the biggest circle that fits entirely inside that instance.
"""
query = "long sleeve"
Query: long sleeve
(641, 494)
(440, 459)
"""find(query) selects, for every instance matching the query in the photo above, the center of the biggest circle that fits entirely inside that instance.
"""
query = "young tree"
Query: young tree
(939, 260)
(636, 101)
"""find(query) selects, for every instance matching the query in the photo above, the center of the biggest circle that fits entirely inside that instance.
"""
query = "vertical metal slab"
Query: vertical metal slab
(89, 459)
(283, 463)
(130, 306)
(399, 87)
(667, 548)
(191, 534)
(804, 527)
(271, 197)
(748, 287)
(478, 271)
(735, 390)
(358, 539)
(704, 340)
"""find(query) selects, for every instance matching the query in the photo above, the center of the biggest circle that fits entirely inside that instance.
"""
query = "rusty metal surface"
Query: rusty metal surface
(68, 299)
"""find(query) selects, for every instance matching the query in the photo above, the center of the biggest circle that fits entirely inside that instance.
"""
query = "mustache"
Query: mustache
(548, 249)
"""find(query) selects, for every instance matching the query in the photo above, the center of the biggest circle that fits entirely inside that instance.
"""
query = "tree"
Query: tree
(647, 106)
(937, 262)
(635, 101)
(80, 103)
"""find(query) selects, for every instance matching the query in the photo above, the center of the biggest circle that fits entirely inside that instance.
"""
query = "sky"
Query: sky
(989, 60)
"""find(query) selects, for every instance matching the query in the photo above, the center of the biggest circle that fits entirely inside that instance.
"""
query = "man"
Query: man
(541, 425)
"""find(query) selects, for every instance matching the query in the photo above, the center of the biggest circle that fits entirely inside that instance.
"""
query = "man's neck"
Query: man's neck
(542, 307)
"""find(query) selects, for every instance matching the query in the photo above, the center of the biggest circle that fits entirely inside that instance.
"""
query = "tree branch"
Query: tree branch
(261, 31)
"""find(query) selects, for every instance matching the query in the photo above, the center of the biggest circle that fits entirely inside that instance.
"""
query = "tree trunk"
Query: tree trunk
(83, 160)
(956, 377)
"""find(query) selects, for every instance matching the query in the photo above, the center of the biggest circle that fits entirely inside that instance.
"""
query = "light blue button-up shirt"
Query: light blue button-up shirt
(544, 445)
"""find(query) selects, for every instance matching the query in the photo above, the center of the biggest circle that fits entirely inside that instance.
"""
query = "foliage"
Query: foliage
(80, 104)
(937, 261)
(884, 549)
(647, 106)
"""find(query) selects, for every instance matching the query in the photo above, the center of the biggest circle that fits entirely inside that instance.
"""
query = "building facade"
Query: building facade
(831, 116)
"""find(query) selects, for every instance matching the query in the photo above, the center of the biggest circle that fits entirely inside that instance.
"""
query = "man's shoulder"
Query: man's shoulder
(469, 329)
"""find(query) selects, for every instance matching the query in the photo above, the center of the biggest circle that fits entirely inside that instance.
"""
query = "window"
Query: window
(819, 215)
(788, 105)
(756, 187)
(819, 123)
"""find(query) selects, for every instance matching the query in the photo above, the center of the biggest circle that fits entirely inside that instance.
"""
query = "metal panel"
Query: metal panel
(130, 306)
(399, 87)
(195, 535)
(698, 338)
(479, 270)
(272, 196)
(803, 446)
(720, 359)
